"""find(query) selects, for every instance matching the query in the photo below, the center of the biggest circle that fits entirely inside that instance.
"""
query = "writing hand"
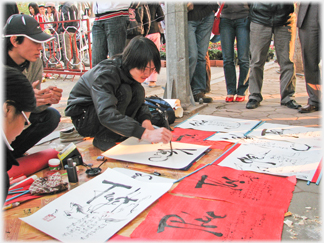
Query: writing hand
(157, 135)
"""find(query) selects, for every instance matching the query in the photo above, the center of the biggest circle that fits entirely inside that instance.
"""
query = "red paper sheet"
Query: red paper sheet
(183, 218)
(317, 172)
(241, 187)
(32, 163)
(25, 197)
(198, 137)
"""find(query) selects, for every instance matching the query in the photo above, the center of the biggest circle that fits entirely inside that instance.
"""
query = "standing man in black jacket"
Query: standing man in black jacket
(269, 19)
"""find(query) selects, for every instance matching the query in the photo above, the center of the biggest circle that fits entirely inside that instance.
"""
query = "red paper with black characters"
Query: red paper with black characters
(240, 187)
(183, 218)
(198, 137)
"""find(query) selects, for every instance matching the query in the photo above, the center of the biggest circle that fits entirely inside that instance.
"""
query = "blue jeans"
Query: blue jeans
(42, 124)
(108, 37)
(229, 29)
(198, 40)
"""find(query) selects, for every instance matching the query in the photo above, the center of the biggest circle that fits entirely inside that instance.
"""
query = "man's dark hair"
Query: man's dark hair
(9, 45)
(18, 90)
(139, 52)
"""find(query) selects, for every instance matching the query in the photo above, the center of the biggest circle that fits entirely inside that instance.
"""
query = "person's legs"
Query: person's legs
(116, 31)
(227, 30)
(309, 36)
(42, 124)
(260, 38)
(192, 47)
(99, 42)
(87, 124)
(243, 53)
(284, 44)
(155, 37)
(203, 30)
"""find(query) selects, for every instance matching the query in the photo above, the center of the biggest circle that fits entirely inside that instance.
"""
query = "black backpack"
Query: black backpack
(160, 110)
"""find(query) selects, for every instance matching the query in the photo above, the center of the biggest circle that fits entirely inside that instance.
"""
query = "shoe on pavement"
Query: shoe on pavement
(152, 84)
(202, 96)
(70, 135)
(308, 108)
(252, 104)
(292, 104)
(229, 99)
(239, 98)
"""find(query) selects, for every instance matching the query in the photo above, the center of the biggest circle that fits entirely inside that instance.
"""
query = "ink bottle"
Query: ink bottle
(71, 171)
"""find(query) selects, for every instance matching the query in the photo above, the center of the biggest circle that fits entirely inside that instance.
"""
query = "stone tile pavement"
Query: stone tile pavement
(305, 206)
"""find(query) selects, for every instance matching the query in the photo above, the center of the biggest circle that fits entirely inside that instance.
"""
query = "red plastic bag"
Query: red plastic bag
(215, 29)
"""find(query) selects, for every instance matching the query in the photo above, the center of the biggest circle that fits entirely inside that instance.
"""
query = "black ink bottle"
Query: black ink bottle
(71, 171)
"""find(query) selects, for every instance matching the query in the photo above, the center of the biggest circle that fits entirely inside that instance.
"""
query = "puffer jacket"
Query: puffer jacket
(271, 14)
(98, 87)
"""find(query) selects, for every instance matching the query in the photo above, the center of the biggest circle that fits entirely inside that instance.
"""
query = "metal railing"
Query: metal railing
(69, 53)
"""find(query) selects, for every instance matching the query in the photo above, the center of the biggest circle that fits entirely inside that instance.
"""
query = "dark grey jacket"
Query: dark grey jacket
(271, 14)
(98, 87)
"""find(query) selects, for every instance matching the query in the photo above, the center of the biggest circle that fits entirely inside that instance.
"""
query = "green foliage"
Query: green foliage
(23, 7)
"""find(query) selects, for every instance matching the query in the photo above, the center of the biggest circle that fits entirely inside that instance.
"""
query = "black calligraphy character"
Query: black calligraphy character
(113, 185)
(250, 159)
(279, 132)
(140, 175)
(175, 221)
(197, 123)
(164, 154)
(185, 135)
(227, 183)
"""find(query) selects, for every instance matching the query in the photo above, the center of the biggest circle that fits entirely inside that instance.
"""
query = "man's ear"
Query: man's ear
(8, 110)
(13, 40)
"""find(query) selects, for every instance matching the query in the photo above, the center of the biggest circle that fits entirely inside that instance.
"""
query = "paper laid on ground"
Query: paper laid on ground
(250, 157)
(176, 106)
(218, 124)
(294, 134)
(142, 176)
(97, 209)
(298, 145)
(136, 151)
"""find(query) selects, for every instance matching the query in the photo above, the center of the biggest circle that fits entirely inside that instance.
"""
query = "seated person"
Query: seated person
(24, 39)
(19, 101)
(107, 102)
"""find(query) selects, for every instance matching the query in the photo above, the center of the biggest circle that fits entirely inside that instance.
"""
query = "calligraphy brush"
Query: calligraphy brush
(168, 127)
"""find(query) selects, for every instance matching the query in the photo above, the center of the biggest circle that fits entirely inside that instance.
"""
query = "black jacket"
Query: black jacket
(98, 87)
(139, 20)
(271, 14)
(157, 15)
(10, 159)
(69, 12)
(201, 11)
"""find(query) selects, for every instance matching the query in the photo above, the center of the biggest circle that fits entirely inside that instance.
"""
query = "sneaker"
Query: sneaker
(229, 98)
(202, 96)
(239, 98)
(70, 135)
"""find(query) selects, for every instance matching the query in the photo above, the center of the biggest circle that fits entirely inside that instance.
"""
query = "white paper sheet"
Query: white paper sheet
(294, 134)
(136, 151)
(217, 124)
(298, 145)
(142, 176)
(250, 157)
(97, 209)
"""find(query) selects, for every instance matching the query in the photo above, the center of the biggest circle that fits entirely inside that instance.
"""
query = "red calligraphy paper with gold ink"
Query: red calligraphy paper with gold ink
(240, 187)
(183, 218)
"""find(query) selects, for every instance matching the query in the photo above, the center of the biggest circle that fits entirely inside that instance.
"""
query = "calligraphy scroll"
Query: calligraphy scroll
(241, 187)
(183, 218)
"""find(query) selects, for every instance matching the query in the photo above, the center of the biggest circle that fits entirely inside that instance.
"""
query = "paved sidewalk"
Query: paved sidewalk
(305, 205)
